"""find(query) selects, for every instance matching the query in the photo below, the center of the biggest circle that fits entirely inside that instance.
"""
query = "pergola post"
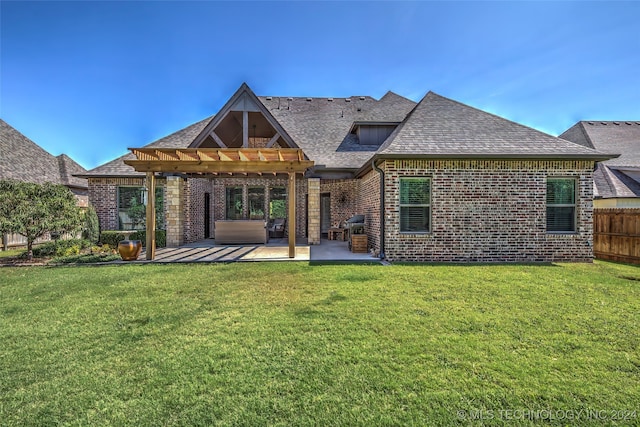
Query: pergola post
(292, 215)
(151, 216)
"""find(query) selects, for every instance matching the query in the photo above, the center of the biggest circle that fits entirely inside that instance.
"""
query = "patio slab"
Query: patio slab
(275, 250)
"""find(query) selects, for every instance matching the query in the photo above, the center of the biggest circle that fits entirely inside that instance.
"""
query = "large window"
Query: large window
(234, 203)
(256, 203)
(277, 202)
(415, 205)
(561, 205)
(132, 209)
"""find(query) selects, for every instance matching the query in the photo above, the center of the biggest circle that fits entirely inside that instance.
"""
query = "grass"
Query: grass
(293, 344)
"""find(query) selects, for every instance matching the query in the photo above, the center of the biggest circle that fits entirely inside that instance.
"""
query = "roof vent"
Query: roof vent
(359, 109)
(330, 99)
(590, 123)
(269, 98)
(616, 123)
(628, 123)
(603, 123)
(289, 99)
(347, 100)
(362, 98)
(308, 99)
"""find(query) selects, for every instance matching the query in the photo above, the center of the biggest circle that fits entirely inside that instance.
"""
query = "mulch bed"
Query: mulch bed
(22, 262)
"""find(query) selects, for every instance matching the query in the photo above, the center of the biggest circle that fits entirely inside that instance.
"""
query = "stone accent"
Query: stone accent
(174, 208)
(313, 214)
(489, 211)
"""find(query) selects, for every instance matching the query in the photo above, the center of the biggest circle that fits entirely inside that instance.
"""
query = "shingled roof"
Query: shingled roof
(436, 127)
(24, 160)
(609, 136)
(610, 179)
(321, 126)
(441, 127)
(179, 139)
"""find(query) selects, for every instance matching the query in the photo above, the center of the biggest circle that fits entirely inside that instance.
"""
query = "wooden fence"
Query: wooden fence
(616, 234)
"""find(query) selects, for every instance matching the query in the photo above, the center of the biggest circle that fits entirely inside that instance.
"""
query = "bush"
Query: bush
(91, 226)
(112, 238)
(87, 258)
(161, 238)
(61, 248)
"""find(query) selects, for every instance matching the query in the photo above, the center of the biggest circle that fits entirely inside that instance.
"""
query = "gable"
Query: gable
(243, 122)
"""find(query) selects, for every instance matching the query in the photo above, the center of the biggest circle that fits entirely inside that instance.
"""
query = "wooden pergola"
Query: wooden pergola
(219, 161)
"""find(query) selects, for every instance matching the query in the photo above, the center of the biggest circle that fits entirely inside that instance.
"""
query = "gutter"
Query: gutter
(381, 172)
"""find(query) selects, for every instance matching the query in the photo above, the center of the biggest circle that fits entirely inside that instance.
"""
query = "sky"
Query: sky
(91, 78)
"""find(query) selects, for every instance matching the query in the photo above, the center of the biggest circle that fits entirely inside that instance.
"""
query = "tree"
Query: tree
(34, 210)
(91, 226)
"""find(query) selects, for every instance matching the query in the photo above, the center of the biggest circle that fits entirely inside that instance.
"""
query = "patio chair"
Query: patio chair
(276, 228)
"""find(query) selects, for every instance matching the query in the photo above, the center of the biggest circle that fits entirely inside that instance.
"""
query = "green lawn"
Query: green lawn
(297, 344)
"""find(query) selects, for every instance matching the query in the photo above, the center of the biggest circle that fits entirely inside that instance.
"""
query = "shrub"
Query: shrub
(61, 248)
(112, 238)
(161, 238)
(91, 226)
(88, 258)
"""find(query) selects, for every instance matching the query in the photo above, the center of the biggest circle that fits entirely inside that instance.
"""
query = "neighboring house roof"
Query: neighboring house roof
(610, 136)
(24, 160)
(612, 183)
(611, 179)
(179, 139)
(436, 127)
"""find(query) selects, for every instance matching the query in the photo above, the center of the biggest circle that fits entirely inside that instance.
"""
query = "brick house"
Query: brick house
(436, 180)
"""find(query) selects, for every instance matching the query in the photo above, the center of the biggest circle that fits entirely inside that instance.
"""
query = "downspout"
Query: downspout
(381, 172)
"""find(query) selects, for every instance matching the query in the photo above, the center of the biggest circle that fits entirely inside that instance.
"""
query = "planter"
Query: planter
(359, 243)
(129, 250)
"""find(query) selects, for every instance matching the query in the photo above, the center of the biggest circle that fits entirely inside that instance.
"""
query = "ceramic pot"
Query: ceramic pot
(130, 249)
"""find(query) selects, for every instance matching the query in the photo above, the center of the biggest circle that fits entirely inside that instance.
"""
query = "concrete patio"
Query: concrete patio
(275, 250)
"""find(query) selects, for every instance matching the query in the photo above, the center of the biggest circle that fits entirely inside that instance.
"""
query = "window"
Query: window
(277, 202)
(132, 209)
(256, 202)
(561, 205)
(415, 205)
(234, 205)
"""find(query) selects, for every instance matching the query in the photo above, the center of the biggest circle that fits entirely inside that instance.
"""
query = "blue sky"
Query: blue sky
(92, 78)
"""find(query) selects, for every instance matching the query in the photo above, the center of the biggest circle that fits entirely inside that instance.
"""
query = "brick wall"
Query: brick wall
(103, 196)
(488, 211)
(193, 204)
(344, 198)
(368, 201)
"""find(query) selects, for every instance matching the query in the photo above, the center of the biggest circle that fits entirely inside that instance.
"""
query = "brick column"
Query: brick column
(174, 211)
(314, 210)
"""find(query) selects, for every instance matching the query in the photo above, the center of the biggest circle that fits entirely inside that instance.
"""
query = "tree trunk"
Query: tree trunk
(29, 249)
